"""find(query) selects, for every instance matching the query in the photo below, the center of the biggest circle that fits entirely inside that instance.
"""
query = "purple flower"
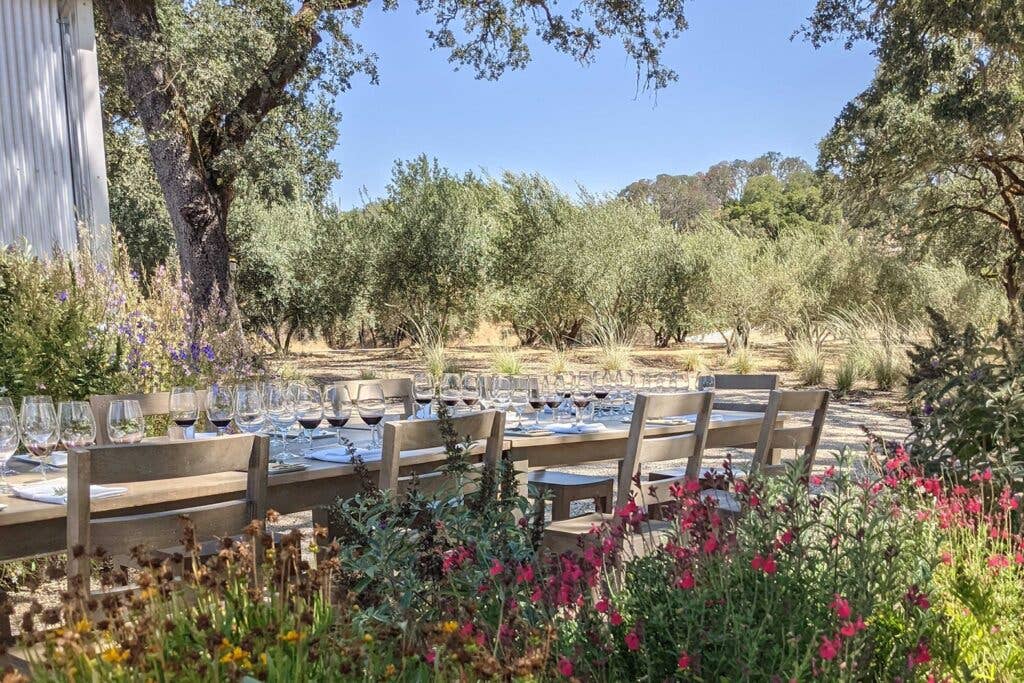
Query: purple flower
(928, 408)
(62, 295)
(208, 352)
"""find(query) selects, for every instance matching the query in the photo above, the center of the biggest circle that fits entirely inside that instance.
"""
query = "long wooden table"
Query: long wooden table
(29, 528)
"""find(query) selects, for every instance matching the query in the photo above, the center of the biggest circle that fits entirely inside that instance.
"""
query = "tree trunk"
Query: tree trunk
(197, 199)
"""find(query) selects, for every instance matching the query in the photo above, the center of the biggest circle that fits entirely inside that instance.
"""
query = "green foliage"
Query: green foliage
(848, 372)
(505, 360)
(808, 360)
(742, 361)
(966, 395)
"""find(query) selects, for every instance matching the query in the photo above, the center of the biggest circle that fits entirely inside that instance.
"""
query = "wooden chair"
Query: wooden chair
(399, 388)
(151, 404)
(728, 382)
(774, 439)
(160, 531)
(488, 425)
(642, 448)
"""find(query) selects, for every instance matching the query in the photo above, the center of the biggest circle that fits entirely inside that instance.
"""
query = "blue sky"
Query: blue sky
(744, 88)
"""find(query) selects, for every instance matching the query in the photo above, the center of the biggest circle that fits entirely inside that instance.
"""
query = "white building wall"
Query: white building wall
(52, 169)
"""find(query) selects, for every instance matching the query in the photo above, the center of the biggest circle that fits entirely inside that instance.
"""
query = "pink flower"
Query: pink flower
(997, 562)
(841, 607)
(769, 565)
(851, 628)
(757, 563)
(946, 558)
(536, 595)
(710, 545)
(496, 567)
(684, 661)
(430, 657)
(787, 537)
(686, 582)
(565, 667)
(920, 655)
(616, 618)
(524, 574)
(628, 509)
(914, 596)
(632, 641)
(602, 605)
(829, 649)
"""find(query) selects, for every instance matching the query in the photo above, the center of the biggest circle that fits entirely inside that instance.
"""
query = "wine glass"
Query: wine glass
(249, 415)
(520, 396)
(125, 423)
(582, 393)
(470, 390)
(77, 424)
(183, 409)
(422, 392)
(561, 387)
(370, 404)
(552, 398)
(705, 382)
(309, 407)
(337, 406)
(280, 407)
(220, 404)
(602, 387)
(536, 398)
(8, 440)
(39, 429)
(501, 389)
(451, 390)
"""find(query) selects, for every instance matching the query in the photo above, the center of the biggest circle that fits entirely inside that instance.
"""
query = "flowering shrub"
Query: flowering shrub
(892, 576)
(71, 326)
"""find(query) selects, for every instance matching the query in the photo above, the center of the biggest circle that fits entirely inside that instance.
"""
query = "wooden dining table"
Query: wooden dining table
(29, 528)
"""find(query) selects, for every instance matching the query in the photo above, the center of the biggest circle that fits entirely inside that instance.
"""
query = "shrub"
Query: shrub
(558, 364)
(847, 373)
(877, 341)
(506, 360)
(808, 360)
(742, 361)
(615, 344)
(691, 360)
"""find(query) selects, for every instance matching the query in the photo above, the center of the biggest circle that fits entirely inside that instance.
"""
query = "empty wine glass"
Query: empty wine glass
(220, 404)
(451, 390)
(280, 407)
(183, 409)
(423, 392)
(125, 423)
(77, 424)
(337, 406)
(309, 407)
(249, 413)
(501, 390)
(39, 429)
(8, 440)
(370, 404)
(520, 397)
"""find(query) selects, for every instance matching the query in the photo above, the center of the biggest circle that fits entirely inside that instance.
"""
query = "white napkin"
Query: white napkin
(56, 459)
(341, 454)
(56, 491)
(204, 435)
(585, 428)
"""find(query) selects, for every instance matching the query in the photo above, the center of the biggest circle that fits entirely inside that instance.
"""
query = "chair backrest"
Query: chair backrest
(394, 388)
(163, 460)
(642, 446)
(727, 382)
(786, 404)
(152, 404)
(487, 425)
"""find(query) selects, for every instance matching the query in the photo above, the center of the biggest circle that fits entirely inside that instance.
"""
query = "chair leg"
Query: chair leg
(5, 619)
(560, 506)
(603, 504)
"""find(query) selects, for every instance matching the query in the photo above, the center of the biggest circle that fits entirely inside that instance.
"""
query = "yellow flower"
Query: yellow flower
(290, 637)
(367, 638)
(235, 655)
(114, 655)
(83, 626)
(390, 670)
(450, 626)
(263, 658)
(224, 642)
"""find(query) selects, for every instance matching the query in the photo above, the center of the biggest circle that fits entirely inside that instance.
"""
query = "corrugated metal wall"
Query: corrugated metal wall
(36, 178)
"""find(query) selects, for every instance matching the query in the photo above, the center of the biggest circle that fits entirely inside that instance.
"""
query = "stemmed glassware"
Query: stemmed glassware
(451, 390)
(602, 387)
(8, 440)
(470, 390)
(582, 394)
(337, 406)
(280, 410)
(183, 409)
(77, 424)
(249, 412)
(552, 398)
(501, 392)
(520, 396)
(220, 403)
(309, 407)
(370, 404)
(125, 422)
(423, 392)
(537, 398)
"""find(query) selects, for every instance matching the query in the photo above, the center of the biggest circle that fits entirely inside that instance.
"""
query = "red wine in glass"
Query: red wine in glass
(581, 402)
(309, 423)
(600, 395)
(186, 422)
(372, 420)
(469, 400)
(337, 422)
(424, 400)
(219, 423)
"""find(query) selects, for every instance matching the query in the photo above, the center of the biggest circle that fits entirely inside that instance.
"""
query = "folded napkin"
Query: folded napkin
(204, 435)
(585, 428)
(341, 454)
(56, 491)
(57, 459)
